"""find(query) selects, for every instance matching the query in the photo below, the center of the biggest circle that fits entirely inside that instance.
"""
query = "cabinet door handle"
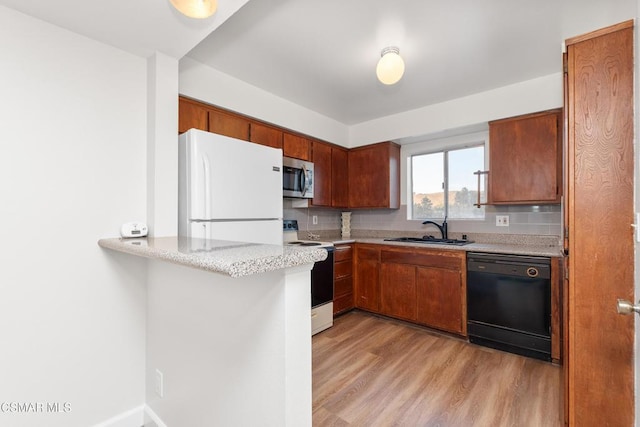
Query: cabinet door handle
(479, 173)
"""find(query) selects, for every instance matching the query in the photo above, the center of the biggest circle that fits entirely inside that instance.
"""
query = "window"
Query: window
(443, 184)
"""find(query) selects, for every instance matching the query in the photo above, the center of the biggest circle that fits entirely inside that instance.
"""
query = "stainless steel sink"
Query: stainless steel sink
(429, 239)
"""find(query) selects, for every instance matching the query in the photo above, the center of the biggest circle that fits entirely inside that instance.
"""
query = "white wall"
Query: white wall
(232, 351)
(72, 169)
(539, 94)
(211, 86)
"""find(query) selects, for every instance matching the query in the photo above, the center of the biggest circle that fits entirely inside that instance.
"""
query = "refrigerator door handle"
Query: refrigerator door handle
(206, 167)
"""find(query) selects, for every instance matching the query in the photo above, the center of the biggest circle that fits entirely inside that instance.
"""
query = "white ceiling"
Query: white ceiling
(322, 54)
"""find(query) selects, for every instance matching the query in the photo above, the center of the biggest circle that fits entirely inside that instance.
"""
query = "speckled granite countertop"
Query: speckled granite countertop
(531, 250)
(234, 259)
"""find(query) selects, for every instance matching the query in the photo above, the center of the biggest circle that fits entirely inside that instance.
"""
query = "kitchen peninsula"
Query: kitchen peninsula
(228, 331)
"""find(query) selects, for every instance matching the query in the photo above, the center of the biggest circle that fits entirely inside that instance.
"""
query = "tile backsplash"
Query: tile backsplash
(542, 220)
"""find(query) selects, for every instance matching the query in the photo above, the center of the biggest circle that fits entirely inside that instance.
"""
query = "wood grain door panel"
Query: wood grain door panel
(321, 155)
(439, 296)
(339, 178)
(398, 291)
(601, 250)
(191, 114)
(229, 125)
(525, 154)
(296, 146)
(265, 135)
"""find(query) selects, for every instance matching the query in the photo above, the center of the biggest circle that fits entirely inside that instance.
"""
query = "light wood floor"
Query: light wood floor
(372, 371)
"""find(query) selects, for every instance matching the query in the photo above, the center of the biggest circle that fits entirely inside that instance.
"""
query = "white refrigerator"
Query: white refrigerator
(229, 189)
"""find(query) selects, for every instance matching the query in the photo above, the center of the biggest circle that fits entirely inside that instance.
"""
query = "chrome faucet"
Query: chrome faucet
(442, 228)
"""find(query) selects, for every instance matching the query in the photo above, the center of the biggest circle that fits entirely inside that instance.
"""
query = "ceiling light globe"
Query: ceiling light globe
(390, 67)
(196, 8)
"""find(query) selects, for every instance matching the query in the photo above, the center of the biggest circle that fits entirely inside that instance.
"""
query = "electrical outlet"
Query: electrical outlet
(159, 384)
(502, 220)
(315, 220)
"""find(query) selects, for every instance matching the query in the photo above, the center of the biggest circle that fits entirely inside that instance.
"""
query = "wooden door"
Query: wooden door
(600, 165)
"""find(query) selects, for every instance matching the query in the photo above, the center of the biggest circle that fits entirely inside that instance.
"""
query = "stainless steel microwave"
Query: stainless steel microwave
(297, 178)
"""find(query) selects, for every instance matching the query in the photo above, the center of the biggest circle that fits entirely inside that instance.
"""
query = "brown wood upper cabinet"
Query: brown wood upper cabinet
(265, 135)
(321, 157)
(296, 146)
(192, 114)
(227, 124)
(525, 159)
(330, 175)
(339, 177)
(374, 176)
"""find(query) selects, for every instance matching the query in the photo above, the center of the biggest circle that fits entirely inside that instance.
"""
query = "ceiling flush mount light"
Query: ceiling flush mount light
(196, 8)
(390, 66)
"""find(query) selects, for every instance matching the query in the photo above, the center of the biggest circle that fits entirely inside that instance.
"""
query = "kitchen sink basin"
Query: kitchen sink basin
(429, 239)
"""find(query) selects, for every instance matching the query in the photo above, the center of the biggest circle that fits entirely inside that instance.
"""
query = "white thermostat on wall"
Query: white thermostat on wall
(133, 229)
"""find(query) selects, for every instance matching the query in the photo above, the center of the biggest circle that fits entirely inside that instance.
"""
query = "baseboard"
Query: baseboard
(151, 419)
(131, 418)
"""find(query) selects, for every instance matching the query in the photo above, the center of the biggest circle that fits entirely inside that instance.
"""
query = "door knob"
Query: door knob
(626, 307)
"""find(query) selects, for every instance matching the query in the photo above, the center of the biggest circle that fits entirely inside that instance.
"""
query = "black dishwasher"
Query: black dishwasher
(509, 303)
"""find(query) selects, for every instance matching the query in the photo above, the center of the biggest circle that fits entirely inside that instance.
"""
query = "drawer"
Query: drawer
(343, 286)
(342, 303)
(342, 253)
(368, 253)
(342, 269)
(423, 258)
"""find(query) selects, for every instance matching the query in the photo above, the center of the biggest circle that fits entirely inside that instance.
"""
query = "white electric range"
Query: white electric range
(321, 278)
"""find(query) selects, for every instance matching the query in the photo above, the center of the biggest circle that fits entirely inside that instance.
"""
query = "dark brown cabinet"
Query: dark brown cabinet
(363, 177)
(374, 176)
(367, 269)
(425, 286)
(321, 157)
(525, 159)
(339, 177)
(343, 279)
(296, 146)
(398, 290)
(440, 299)
(330, 175)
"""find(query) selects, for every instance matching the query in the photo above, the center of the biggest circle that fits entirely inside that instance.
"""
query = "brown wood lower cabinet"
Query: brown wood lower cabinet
(398, 291)
(343, 279)
(425, 286)
(441, 303)
(367, 269)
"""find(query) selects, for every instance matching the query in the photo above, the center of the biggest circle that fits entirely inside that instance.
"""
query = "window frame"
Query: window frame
(438, 145)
